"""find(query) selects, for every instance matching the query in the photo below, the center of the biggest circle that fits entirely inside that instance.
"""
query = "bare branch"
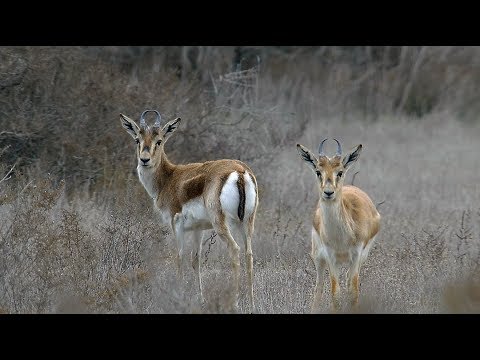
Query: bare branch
(4, 150)
(380, 203)
(353, 177)
(465, 231)
(212, 241)
(6, 177)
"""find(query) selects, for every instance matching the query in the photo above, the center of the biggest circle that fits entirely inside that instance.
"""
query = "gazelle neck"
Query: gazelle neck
(153, 179)
(332, 208)
(335, 216)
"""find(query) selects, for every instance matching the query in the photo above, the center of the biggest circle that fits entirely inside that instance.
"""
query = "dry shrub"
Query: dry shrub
(79, 234)
(50, 254)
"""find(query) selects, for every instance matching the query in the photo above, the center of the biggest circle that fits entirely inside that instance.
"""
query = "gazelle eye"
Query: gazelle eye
(137, 141)
(319, 174)
(340, 173)
(159, 142)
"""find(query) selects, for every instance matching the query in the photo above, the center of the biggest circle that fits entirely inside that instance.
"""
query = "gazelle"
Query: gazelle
(220, 195)
(345, 222)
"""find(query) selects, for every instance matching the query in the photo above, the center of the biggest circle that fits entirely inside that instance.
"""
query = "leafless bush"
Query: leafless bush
(49, 252)
(84, 238)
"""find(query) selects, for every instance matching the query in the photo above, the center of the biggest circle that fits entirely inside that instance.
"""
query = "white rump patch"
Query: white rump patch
(250, 195)
(229, 196)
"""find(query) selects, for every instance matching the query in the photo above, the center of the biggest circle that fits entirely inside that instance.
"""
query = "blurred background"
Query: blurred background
(78, 231)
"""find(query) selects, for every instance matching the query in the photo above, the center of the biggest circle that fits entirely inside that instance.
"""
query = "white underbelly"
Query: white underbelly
(195, 216)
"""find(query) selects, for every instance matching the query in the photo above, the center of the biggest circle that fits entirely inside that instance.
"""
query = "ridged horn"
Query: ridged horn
(320, 148)
(157, 121)
(339, 148)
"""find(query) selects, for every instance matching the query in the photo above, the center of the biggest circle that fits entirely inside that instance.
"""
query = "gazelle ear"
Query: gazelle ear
(352, 156)
(170, 128)
(129, 125)
(307, 156)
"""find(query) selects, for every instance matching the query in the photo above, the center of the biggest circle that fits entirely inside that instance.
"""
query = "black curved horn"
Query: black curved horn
(320, 148)
(157, 121)
(339, 148)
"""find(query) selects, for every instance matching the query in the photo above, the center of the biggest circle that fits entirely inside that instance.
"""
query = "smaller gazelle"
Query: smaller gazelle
(220, 195)
(345, 223)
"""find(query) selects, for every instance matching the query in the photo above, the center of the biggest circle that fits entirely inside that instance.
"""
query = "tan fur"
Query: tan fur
(188, 196)
(358, 210)
(344, 225)
(181, 183)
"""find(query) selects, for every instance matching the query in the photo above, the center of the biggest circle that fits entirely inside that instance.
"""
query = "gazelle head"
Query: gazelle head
(150, 139)
(330, 172)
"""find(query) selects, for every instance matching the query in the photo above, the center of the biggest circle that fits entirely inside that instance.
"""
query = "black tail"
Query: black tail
(241, 192)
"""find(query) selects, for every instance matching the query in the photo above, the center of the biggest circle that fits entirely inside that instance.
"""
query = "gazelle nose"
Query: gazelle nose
(328, 193)
(145, 161)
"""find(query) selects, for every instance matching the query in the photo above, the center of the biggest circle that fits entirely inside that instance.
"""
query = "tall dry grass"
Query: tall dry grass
(78, 233)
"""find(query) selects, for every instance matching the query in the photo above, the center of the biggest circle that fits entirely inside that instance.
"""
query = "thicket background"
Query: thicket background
(78, 232)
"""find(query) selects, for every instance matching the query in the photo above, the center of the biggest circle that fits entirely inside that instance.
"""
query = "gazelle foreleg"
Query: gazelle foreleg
(353, 276)
(320, 265)
(319, 261)
(334, 283)
(179, 234)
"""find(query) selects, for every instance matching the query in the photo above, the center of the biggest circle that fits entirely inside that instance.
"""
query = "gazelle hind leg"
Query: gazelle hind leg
(246, 230)
(223, 231)
(197, 260)
(366, 250)
(249, 260)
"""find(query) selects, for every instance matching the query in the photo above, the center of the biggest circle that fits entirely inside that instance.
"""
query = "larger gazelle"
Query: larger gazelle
(345, 222)
(220, 195)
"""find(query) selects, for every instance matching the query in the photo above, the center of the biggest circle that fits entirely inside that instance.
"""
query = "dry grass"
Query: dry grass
(78, 233)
